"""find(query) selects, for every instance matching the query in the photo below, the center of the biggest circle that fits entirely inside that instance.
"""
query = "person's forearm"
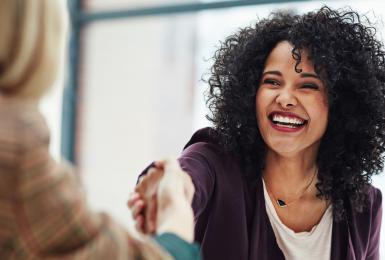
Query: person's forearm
(177, 218)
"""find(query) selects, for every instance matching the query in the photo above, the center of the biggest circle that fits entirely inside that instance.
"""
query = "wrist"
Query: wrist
(178, 219)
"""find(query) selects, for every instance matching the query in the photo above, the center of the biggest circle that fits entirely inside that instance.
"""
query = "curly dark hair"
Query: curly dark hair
(351, 63)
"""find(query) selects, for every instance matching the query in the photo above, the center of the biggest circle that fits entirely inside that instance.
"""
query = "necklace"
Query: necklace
(281, 203)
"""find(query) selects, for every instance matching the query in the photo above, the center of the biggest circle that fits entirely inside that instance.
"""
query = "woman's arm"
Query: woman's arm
(197, 162)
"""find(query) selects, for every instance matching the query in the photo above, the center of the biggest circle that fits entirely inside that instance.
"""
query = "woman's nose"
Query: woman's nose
(286, 99)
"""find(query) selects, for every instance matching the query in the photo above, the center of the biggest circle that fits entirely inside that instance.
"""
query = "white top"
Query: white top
(315, 244)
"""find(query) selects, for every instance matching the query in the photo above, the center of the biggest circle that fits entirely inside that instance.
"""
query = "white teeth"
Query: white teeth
(288, 120)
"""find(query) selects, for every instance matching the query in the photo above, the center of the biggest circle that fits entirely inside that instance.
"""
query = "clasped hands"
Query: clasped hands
(162, 201)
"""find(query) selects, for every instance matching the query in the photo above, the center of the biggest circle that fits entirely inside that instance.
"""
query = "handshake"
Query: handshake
(162, 200)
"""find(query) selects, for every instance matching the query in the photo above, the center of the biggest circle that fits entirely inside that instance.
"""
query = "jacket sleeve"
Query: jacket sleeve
(375, 229)
(49, 212)
(179, 248)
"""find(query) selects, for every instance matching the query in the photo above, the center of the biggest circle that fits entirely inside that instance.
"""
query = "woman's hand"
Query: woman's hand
(142, 201)
(145, 206)
(136, 205)
(174, 196)
(162, 200)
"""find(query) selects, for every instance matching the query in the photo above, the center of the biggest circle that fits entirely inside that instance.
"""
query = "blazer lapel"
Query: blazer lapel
(342, 246)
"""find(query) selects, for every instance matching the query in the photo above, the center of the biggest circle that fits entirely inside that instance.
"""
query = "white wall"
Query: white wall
(136, 103)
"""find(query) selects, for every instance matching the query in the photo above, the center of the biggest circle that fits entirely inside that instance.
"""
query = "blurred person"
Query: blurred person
(297, 105)
(43, 213)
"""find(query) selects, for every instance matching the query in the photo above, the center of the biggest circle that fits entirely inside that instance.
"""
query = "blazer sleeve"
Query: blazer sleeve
(375, 229)
(179, 248)
(48, 209)
(198, 161)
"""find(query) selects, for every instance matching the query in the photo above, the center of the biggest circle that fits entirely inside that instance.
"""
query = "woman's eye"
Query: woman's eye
(310, 86)
(271, 82)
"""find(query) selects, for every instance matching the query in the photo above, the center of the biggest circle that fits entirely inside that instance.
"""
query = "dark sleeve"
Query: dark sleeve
(374, 239)
(198, 161)
(177, 247)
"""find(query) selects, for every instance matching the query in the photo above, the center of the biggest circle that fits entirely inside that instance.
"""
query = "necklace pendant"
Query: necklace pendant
(281, 203)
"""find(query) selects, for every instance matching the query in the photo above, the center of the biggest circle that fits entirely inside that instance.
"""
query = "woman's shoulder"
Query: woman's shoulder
(204, 147)
(23, 131)
(22, 122)
(204, 135)
(374, 198)
(204, 143)
(372, 210)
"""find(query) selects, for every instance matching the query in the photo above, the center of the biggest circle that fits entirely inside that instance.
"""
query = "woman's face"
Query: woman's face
(292, 107)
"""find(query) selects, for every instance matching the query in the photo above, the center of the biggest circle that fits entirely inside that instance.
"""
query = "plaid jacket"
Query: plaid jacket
(43, 214)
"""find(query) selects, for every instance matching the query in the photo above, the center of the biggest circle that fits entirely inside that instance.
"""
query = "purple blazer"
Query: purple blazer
(231, 218)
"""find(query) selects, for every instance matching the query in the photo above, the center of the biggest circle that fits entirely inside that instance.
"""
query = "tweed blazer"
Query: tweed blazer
(43, 214)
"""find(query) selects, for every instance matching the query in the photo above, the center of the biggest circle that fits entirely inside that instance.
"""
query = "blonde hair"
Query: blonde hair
(31, 51)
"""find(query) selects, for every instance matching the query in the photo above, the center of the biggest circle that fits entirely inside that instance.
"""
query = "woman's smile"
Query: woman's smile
(286, 121)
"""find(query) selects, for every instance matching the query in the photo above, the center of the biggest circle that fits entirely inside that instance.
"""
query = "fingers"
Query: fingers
(135, 203)
(176, 179)
(134, 196)
(136, 206)
(174, 212)
(137, 209)
(146, 206)
(150, 216)
(177, 189)
(139, 223)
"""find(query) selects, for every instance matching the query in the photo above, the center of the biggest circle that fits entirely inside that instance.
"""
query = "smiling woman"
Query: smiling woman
(297, 103)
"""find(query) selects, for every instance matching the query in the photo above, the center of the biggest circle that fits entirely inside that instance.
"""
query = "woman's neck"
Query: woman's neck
(289, 174)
